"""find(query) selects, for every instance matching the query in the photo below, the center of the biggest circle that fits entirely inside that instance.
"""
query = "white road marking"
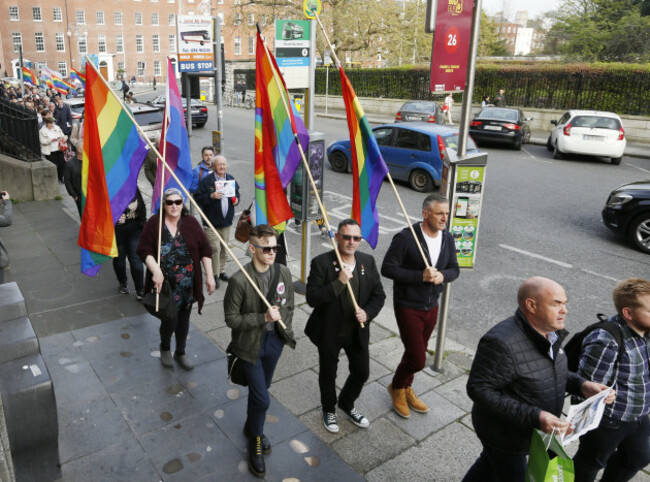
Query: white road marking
(537, 256)
(639, 168)
(600, 275)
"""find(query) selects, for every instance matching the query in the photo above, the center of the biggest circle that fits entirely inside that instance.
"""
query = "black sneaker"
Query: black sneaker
(139, 295)
(216, 282)
(329, 421)
(357, 418)
(224, 277)
(123, 289)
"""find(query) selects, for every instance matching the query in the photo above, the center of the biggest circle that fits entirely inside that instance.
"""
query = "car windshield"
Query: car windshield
(149, 117)
(452, 142)
(424, 107)
(596, 122)
(498, 114)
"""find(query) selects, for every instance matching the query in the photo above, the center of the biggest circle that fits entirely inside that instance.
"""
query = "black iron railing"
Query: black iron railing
(19, 132)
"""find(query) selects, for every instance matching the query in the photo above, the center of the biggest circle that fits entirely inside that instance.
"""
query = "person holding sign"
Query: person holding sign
(518, 380)
(621, 443)
(217, 195)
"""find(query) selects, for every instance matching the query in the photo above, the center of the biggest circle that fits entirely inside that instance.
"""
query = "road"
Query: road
(540, 217)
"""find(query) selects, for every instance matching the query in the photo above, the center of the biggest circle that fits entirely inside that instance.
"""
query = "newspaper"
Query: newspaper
(585, 416)
(226, 187)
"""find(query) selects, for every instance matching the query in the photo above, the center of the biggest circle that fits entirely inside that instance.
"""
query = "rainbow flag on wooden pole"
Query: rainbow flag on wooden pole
(28, 76)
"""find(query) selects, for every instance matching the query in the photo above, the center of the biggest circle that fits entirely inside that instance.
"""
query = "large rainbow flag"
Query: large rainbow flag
(174, 144)
(276, 153)
(368, 166)
(75, 74)
(28, 76)
(113, 153)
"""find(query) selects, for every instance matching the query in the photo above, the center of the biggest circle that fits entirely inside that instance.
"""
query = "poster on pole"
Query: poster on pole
(451, 45)
(195, 43)
(466, 208)
(292, 51)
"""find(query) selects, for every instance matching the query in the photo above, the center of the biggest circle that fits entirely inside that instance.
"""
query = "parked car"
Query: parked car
(589, 132)
(413, 152)
(627, 212)
(421, 111)
(199, 111)
(501, 125)
(77, 106)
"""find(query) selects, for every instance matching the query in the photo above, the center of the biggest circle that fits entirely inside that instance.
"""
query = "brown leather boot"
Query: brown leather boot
(414, 402)
(399, 401)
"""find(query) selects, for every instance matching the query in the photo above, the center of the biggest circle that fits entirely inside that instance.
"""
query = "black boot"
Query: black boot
(266, 443)
(255, 457)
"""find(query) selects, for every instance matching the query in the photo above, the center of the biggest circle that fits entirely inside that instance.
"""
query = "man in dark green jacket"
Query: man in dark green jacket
(257, 338)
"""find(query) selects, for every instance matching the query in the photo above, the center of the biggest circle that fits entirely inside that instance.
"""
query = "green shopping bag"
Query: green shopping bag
(543, 468)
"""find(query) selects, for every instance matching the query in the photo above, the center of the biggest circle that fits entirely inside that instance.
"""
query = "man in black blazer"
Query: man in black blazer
(335, 324)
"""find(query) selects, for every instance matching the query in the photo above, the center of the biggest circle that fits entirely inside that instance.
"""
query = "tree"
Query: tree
(488, 43)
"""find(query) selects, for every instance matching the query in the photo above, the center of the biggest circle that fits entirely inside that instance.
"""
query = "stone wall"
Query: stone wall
(6, 464)
(28, 181)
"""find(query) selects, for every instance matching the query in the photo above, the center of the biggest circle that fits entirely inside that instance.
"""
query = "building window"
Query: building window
(117, 18)
(100, 17)
(81, 17)
(141, 66)
(251, 19)
(172, 19)
(17, 39)
(57, 16)
(156, 43)
(60, 42)
(262, 20)
(119, 44)
(237, 18)
(139, 44)
(120, 66)
(138, 18)
(172, 43)
(14, 16)
(220, 2)
(154, 19)
(83, 45)
(101, 43)
(237, 45)
(40, 42)
(156, 67)
(63, 69)
(251, 45)
(220, 15)
(36, 14)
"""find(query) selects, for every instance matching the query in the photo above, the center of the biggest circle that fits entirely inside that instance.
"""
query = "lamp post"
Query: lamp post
(77, 31)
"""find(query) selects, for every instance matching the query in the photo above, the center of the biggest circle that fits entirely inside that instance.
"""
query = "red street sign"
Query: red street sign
(451, 45)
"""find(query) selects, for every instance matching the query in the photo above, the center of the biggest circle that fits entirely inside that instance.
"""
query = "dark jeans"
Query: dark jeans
(622, 448)
(359, 364)
(496, 466)
(127, 237)
(259, 376)
(58, 160)
(180, 327)
(415, 328)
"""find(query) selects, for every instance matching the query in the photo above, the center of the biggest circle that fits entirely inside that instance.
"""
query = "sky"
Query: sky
(534, 8)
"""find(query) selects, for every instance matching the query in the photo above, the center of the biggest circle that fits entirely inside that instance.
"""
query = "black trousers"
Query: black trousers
(179, 327)
(57, 158)
(622, 448)
(496, 466)
(359, 365)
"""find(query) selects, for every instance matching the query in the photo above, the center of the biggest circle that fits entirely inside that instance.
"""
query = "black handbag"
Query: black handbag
(166, 304)
(235, 368)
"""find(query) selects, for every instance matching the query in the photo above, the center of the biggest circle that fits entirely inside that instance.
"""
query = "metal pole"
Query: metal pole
(309, 118)
(218, 76)
(188, 111)
(327, 84)
(22, 80)
(462, 152)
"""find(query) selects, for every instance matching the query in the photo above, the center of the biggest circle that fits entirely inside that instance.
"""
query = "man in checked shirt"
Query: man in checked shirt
(621, 444)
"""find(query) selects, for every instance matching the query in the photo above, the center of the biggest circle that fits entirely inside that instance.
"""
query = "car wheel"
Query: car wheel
(517, 145)
(338, 161)
(420, 181)
(640, 232)
(616, 160)
(549, 145)
(201, 124)
(527, 138)
(556, 152)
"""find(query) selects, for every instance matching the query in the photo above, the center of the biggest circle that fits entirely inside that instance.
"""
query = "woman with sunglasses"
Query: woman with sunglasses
(183, 249)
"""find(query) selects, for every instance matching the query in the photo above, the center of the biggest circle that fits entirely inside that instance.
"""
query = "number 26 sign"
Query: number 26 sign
(451, 45)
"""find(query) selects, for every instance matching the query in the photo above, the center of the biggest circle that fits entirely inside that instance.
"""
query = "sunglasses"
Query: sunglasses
(171, 202)
(347, 237)
(266, 249)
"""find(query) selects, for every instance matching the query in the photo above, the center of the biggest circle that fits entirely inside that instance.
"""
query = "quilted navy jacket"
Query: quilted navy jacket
(513, 378)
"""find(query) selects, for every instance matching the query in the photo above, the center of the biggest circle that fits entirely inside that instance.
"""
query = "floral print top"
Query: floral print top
(177, 266)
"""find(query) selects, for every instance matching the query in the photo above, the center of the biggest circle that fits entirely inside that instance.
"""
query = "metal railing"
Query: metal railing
(19, 132)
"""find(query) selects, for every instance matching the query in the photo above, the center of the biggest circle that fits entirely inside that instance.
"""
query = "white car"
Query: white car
(589, 132)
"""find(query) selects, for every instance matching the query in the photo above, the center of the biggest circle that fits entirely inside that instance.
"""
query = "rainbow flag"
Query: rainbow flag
(276, 153)
(368, 166)
(113, 153)
(75, 74)
(28, 76)
(174, 143)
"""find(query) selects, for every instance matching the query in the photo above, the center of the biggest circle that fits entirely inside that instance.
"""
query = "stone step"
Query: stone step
(17, 339)
(12, 302)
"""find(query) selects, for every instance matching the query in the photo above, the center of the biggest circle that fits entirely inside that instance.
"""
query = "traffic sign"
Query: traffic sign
(292, 51)
(451, 45)
(311, 8)
(194, 43)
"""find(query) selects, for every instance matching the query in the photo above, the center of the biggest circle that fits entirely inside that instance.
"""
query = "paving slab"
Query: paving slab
(298, 393)
(455, 392)
(292, 362)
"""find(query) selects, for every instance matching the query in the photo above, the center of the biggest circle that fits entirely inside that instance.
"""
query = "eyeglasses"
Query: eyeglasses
(266, 249)
(347, 237)
(171, 202)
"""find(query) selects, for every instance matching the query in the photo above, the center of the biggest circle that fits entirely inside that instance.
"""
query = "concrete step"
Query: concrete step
(12, 302)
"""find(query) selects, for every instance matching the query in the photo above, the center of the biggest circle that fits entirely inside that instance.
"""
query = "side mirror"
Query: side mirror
(528, 119)
(554, 122)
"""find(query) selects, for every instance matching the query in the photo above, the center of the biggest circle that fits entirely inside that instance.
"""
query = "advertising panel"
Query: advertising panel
(292, 45)
(466, 207)
(195, 53)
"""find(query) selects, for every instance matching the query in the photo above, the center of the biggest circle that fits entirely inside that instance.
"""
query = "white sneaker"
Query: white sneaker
(357, 418)
(329, 421)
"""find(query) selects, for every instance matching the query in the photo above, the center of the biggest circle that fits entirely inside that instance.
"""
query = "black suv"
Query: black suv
(627, 211)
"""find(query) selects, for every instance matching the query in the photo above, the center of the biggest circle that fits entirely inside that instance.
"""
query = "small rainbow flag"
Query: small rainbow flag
(75, 74)
(113, 153)
(276, 153)
(28, 76)
(368, 166)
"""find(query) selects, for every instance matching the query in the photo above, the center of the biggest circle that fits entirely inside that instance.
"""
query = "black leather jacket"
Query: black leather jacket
(513, 379)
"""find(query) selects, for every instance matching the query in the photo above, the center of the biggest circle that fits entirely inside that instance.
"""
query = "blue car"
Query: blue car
(413, 152)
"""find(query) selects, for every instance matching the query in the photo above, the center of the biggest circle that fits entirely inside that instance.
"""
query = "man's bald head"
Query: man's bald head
(542, 302)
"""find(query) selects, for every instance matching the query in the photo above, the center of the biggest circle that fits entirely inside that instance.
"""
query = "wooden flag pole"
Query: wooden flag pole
(306, 169)
(192, 201)
(162, 189)
(390, 178)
